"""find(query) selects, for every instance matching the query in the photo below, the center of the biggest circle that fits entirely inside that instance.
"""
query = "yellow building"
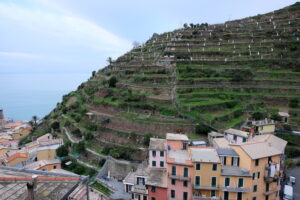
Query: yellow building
(265, 126)
(47, 149)
(260, 158)
(206, 172)
(16, 158)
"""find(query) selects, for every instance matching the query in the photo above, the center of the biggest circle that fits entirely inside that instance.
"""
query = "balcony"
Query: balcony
(205, 198)
(272, 191)
(235, 189)
(269, 179)
(140, 189)
(275, 175)
(181, 178)
(201, 187)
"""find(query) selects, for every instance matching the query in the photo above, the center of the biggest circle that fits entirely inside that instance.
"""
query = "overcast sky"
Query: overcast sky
(58, 36)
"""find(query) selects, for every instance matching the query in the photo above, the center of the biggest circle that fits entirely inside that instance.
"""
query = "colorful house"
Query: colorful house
(266, 126)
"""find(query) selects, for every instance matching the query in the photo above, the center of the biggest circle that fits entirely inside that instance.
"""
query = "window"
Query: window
(172, 193)
(235, 138)
(244, 139)
(267, 187)
(197, 166)
(154, 153)
(145, 198)
(256, 162)
(213, 181)
(173, 182)
(140, 181)
(153, 163)
(255, 188)
(186, 172)
(173, 170)
(235, 161)
(224, 160)
(153, 189)
(153, 198)
(227, 181)
(197, 180)
(214, 167)
(161, 163)
(185, 183)
(162, 153)
(185, 196)
(213, 193)
(253, 176)
(54, 167)
(184, 146)
(239, 196)
(226, 196)
(241, 182)
(258, 175)
(254, 198)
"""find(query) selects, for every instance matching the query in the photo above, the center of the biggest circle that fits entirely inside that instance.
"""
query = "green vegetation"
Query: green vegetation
(76, 167)
(101, 188)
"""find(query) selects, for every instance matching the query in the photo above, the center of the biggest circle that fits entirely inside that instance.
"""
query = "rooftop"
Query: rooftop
(234, 171)
(283, 114)
(263, 122)
(50, 186)
(157, 144)
(215, 134)
(264, 146)
(227, 152)
(205, 155)
(237, 132)
(41, 163)
(220, 143)
(173, 136)
(180, 156)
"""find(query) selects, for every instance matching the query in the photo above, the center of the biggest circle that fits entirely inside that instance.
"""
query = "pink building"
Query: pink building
(157, 153)
(179, 167)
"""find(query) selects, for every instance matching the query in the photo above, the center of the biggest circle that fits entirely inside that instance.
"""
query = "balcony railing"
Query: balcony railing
(206, 198)
(202, 187)
(181, 178)
(235, 189)
(140, 189)
(272, 191)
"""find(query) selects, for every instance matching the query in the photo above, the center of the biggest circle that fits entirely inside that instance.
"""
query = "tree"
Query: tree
(112, 81)
(185, 26)
(109, 60)
(258, 115)
(294, 103)
(275, 117)
(93, 73)
(55, 125)
(202, 129)
(79, 147)
(62, 151)
(33, 122)
(135, 44)
(146, 139)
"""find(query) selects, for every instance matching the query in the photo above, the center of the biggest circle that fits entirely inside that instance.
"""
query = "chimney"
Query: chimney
(30, 188)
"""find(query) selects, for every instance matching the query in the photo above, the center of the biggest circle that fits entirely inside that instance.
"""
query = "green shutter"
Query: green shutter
(174, 170)
(186, 172)
(227, 181)
(241, 182)
(213, 181)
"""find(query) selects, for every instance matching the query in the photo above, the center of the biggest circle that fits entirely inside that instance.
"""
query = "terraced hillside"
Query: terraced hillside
(212, 74)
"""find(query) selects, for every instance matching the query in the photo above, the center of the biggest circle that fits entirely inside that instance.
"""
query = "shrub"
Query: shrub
(146, 139)
(275, 117)
(202, 129)
(62, 151)
(55, 125)
(287, 127)
(79, 147)
(112, 81)
(77, 132)
(294, 103)
(292, 152)
(258, 115)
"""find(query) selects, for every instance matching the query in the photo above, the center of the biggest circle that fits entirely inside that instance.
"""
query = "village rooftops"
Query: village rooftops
(234, 171)
(49, 185)
(237, 132)
(264, 146)
(215, 134)
(179, 156)
(263, 122)
(51, 142)
(226, 152)
(157, 144)
(177, 137)
(41, 163)
(205, 155)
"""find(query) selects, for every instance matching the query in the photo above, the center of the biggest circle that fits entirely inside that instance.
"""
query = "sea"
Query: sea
(25, 95)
